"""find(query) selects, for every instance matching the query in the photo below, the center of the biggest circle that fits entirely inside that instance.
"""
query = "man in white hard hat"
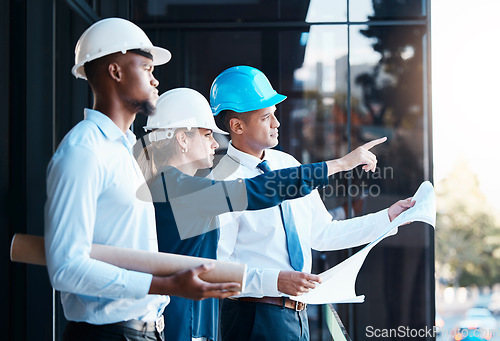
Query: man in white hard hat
(92, 181)
(276, 240)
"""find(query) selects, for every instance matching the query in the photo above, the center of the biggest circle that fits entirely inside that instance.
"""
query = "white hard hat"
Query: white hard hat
(181, 108)
(113, 35)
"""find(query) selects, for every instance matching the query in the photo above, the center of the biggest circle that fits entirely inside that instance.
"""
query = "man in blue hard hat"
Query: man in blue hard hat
(275, 242)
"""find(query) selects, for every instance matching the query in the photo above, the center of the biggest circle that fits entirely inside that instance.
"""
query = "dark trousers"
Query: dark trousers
(81, 331)
(260, 321)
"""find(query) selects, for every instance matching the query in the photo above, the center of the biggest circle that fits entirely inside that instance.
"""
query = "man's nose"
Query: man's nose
(155, 82)
(275, 123)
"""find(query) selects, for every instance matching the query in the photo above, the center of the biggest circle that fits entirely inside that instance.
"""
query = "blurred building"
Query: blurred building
(353, 70)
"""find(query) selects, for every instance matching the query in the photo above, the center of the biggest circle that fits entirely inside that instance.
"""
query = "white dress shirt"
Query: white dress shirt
(92, 181)
(258, 238)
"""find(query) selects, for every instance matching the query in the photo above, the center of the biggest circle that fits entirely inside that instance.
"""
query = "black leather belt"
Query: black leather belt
(281, 301)
(142, 326)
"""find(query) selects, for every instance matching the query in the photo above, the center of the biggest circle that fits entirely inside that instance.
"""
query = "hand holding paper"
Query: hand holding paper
(296, 282)
(399, 207)
(338, 283)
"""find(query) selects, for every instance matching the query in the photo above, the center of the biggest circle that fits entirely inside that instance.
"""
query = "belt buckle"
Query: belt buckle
(160, 324)
(297, 304)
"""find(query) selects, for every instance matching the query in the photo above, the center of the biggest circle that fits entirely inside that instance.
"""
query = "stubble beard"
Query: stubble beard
(145, 108)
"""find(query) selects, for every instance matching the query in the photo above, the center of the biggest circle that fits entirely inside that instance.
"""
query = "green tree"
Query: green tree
(467, 232)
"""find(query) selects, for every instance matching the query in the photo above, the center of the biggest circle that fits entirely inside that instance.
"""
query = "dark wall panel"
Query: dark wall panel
(15, 203)
(5, 233)
(39, 108)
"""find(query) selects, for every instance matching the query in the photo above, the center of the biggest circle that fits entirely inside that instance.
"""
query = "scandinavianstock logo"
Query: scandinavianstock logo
(401, 332)
(337, 187)
(407, 333)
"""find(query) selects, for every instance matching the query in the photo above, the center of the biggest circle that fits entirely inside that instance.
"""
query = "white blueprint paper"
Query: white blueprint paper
(338, 283)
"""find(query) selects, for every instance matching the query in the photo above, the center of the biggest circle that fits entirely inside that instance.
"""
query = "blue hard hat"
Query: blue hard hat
(242, 89)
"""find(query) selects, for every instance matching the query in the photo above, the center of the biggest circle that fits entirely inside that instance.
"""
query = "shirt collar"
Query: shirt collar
(109, 128)
(243, 158)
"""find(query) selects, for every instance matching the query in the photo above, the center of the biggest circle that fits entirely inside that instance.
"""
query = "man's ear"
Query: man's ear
(236, 125)
(115, 71)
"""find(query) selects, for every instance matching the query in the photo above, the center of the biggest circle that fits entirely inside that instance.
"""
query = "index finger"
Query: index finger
(373, 143)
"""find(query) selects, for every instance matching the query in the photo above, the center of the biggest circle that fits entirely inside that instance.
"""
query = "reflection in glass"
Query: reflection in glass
(360, 10)
(365, 10)
(314, 120)
(387, 99)
(314, 116)
(315, 94)
(327, 11)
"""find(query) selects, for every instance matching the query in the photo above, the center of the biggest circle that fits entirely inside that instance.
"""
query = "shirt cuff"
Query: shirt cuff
(382, 220)
(139, 283)
(270, 282)
(382, 217)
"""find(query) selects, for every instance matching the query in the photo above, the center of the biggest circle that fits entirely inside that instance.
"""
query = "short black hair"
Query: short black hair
(97, 66)
(225, 116)
(90, 69)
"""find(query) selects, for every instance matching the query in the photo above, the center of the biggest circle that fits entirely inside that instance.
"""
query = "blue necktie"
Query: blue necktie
(292, 237)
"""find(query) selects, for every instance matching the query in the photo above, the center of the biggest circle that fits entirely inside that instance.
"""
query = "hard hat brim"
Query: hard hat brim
(160, 56)
(269, 102)
(214, 129)
(219, 131)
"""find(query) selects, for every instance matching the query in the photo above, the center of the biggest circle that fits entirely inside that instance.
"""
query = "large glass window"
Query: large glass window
(327, 11)
(387, 89)
(368, 10)
(314, 115)
(387, 98)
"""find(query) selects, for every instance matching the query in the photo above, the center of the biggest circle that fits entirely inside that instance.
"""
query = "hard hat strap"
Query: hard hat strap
(161, 134)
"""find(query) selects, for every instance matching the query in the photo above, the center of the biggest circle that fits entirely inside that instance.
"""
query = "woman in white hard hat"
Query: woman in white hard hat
(186, 207)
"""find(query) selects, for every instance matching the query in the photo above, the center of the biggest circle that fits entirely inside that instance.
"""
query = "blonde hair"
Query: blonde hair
(158, 153)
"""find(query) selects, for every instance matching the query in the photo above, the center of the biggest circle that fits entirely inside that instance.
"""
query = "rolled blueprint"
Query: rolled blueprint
(30, 249)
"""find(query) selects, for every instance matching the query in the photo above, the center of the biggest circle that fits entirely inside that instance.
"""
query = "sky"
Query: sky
(465, 53)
